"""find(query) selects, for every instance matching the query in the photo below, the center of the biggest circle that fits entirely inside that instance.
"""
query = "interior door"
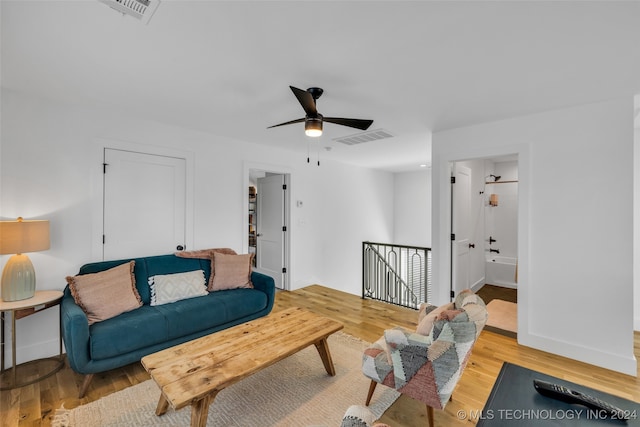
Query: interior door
(144, 204)
(270, 231)
(461, 225)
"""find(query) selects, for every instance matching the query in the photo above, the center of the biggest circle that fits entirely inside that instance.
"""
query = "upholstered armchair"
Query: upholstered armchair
(427, 364)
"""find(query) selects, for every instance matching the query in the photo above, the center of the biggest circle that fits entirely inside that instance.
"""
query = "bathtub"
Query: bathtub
(501, 271)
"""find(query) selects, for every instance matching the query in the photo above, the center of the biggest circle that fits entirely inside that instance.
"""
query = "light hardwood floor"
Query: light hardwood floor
(34, 405)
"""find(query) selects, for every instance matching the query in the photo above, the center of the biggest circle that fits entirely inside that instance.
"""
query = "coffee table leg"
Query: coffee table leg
(325, 355)
(163, 405)
(200, 410)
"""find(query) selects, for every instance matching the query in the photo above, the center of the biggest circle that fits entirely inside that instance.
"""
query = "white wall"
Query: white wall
(346, 203)
(502, 220)
(48, 170)
(636, 228)
(575, 288)
(412, 209)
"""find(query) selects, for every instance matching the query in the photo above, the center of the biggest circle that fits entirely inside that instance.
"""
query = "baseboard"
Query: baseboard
(35, 351)
(616, 362)
(504, 285)
(476, 286)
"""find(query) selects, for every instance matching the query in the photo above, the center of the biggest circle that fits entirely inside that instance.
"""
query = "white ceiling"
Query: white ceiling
(414, 67)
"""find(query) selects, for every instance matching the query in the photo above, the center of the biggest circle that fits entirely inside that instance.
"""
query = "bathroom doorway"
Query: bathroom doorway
(485, 210)
(501, 229)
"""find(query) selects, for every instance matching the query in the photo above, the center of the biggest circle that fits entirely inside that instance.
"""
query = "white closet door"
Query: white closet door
(461, 193)
(144, 204)
(270, 239)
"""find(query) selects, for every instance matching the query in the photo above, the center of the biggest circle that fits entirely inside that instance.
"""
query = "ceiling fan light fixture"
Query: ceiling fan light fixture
(313, 127)
(313, 120)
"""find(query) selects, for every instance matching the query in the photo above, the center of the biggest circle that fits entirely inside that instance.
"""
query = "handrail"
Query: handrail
(397, 246)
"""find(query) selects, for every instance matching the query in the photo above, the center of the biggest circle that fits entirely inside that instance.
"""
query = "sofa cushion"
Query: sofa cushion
(215, 309)
(171, 264)
(106, 294)
(231, 271)
(168, 288)
(128, 332)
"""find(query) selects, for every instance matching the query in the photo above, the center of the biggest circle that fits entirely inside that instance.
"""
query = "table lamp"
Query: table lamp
(18, 237)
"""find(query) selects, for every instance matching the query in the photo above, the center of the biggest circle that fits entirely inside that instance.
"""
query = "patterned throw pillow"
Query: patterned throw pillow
(106, 294)
(232, 271)
(168, 288)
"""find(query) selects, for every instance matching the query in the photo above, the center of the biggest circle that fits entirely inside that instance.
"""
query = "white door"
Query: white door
(461, 225)
(144, 204)
(270, 230)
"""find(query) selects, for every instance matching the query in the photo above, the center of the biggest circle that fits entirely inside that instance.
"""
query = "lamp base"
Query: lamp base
(18, 279)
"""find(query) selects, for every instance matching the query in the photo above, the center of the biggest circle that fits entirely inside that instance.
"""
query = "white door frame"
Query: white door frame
(441, 221)
(288, 178)
(97, 179)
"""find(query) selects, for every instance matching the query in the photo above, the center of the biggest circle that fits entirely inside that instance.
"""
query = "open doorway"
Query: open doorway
(268, 218)
(484, 235)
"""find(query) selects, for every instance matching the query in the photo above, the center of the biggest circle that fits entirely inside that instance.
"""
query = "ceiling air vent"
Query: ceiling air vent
(140, 9)
(362, 137)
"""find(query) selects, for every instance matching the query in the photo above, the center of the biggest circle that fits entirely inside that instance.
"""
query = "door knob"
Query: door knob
(180, 248)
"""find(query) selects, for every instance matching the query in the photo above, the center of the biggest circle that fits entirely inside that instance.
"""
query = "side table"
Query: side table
(20, 309)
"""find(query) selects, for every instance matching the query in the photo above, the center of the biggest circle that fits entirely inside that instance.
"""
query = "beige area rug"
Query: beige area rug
(293, 392)
(503, 315)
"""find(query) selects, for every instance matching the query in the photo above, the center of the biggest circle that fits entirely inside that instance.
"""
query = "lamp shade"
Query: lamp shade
(17, 237)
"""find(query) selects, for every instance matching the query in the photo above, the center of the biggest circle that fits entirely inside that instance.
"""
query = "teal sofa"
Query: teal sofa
(128, 337)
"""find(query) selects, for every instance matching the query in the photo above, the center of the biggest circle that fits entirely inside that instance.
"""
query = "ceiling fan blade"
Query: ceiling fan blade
(353, 123)
(306, 100)
(287, 123)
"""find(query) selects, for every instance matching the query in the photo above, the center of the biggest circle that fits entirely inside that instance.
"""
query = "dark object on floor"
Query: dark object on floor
(515, 402)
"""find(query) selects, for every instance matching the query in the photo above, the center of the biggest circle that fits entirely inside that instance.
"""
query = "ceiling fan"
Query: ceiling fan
(313, 120)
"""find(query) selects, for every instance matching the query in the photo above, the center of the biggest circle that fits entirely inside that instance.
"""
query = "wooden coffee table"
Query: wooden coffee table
(193, 373)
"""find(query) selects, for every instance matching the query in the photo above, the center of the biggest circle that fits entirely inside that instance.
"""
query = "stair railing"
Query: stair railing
(397, 274)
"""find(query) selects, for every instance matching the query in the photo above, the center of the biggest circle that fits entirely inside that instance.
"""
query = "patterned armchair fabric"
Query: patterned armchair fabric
(427, 364)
